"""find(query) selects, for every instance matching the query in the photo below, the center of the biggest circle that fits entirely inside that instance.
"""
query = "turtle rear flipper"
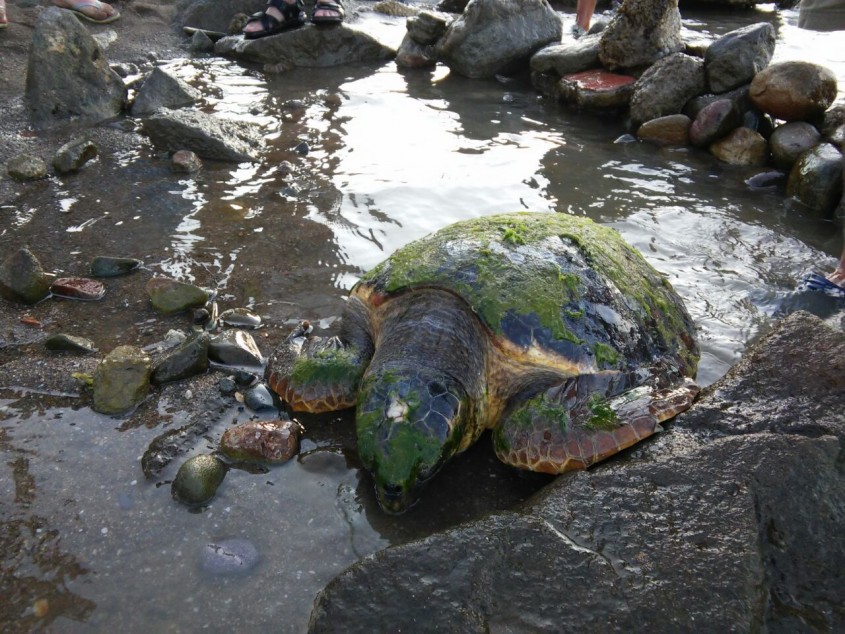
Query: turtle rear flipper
(568, 427)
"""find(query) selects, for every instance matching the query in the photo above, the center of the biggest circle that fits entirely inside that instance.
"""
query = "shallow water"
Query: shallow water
(89, 545)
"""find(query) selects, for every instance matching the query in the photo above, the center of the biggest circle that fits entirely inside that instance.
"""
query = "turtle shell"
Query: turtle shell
(554, 289)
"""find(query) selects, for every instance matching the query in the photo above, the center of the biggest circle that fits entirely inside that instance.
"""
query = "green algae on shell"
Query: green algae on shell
(529, 273)
(197, 480)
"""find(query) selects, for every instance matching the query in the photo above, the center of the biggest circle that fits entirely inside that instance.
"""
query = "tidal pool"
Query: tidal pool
(358, 162)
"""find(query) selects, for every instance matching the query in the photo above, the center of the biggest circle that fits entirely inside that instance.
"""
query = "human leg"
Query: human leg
(3, 21)
(584, 14)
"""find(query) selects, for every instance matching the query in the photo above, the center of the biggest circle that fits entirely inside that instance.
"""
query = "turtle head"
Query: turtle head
(409, 423)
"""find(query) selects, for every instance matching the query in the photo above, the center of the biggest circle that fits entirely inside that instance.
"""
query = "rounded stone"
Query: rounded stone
(743, 146)
(22, 279)
(121, 380)
(714, 121)
(26, 167)
(229, 556)
(793, 91)
(185, 161)
(197, 480)
(672, 129)
(273, 442)
(791, 140)
(104, 266)
(170, 296)
(816, 180)
(61, 342)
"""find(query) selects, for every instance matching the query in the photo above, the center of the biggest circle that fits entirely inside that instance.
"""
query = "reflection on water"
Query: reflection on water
(358, 161)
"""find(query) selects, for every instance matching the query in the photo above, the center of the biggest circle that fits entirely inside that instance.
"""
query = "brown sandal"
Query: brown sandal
(333, 7)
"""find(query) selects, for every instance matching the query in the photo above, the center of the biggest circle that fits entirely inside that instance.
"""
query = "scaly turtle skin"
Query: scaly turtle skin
(546, 328)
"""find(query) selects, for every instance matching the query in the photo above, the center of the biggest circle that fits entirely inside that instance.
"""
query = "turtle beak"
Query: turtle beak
(394, 499)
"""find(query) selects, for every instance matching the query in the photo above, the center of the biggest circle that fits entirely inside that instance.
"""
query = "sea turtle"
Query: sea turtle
(545, 327)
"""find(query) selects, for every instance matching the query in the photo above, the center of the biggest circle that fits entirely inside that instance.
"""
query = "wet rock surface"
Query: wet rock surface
(197, 480)
(188, 359)
(641, 32)
(273, 442)
(122, 380)
(726, 538)
(666, 87)
(172, 296)
(73, 155)
(162, 90)
(736, 57)
(793, 91)
(22, 279)
(208, 136)
(26, 167)
(230, 556)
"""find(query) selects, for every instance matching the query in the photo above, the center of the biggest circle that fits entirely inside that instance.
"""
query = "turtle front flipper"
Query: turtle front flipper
(317, 375)
(572, 426)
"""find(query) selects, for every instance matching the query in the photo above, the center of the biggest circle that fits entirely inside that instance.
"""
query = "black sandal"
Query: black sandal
(335, 6)
(292, 14)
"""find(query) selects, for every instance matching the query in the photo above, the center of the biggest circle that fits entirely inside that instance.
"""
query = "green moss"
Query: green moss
(494, 286)
(573, 313)
(602, 416)
(329, 366)
(606, 356)
(539, 410)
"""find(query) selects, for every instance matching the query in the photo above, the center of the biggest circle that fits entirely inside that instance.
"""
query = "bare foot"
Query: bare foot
(838, 276)
(3, 21)
(92, 10)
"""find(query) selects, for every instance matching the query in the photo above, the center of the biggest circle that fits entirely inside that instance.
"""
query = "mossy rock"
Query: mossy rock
(197, 480)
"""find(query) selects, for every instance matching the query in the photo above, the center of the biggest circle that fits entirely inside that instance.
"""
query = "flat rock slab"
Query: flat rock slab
(207, 136)
(733, 520)
(308, 47)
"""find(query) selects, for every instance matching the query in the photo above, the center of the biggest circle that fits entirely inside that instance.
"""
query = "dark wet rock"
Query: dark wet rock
(673, 129)
(427, 27)
(170, 296)
(68, 75)
(394, 8)
(833, 120)
(188, 359)
(452, 6)
(666, 87)
(185, 162)
(159, 90)
(736, 57)
(641, 32)
(216, 15)
(759, 122)
(793, 91)
(742, 146)
(791, 140)
(259, 398)
(122, 380)
(200, 316)
(22, 279)
(228, 386)
(244, 378)
(735, 515)
(125, 69)
(201, 43)
(595, 90)
(235, 347)
(231, 556)
(738, 96)
(413, 55)
(105, 266)
(27, 167)
(273, 442)
(61, 342)
(240, 318)
(498, 36)
(714, 121)
(769, 180)
(78, 288)
(816, 180)
(567, 58)
(302, 148)
(198, 479)
(308, 47)
(73, 155)
(208, 136)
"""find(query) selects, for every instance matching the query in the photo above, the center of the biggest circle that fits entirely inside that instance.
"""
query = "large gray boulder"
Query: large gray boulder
(641, 32)
(666, 87)
(205, 135)
(308, 46)
(567, 57)
(68, 74)
(215, 15)
(498, 36)
(163, 90)
(729, 522)
(736, 57)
